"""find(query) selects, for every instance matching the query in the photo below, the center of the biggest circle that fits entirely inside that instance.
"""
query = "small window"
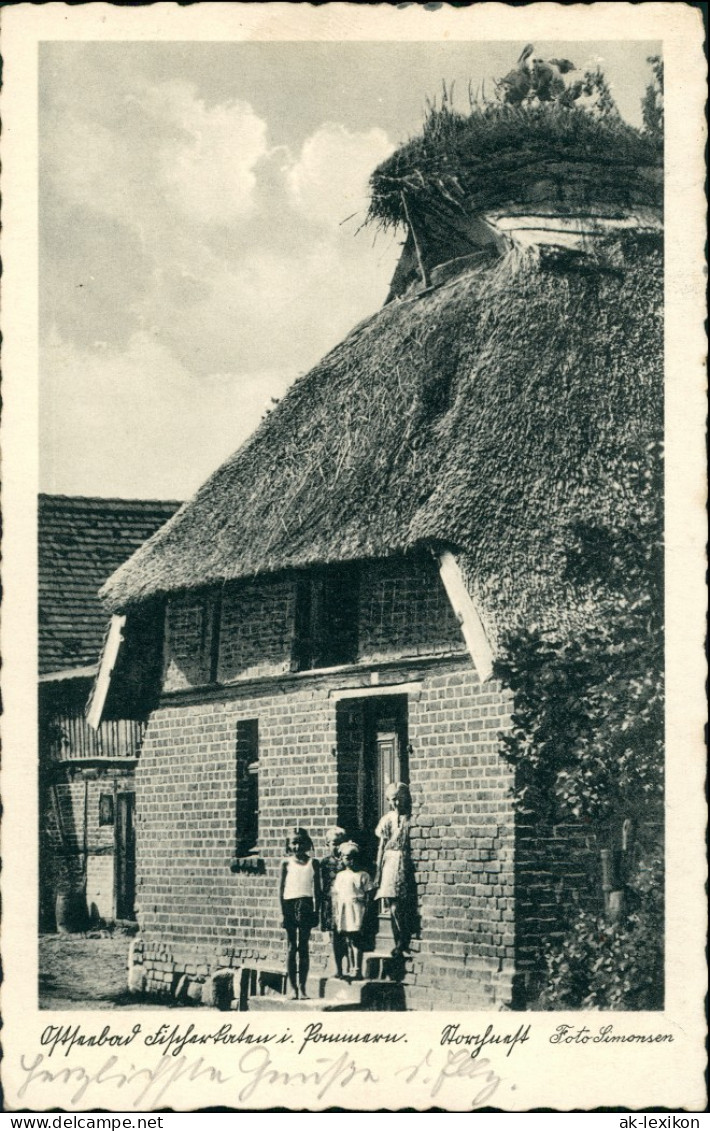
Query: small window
(327, 603)
(247, 787)
(106, 809)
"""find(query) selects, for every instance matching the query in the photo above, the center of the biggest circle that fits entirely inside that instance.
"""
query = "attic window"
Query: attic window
(193, 631)
(327, 603)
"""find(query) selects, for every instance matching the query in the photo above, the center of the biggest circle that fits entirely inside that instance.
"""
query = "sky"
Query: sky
(201, 232)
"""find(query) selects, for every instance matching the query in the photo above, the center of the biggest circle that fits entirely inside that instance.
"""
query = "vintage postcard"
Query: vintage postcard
(353, 560)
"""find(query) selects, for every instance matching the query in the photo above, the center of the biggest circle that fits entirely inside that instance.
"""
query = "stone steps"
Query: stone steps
(385, 937)
(266, 989)
(379, 965)
(339, 997)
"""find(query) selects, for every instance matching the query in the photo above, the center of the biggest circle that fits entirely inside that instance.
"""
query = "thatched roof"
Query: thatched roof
(472, 416)
(474, 411)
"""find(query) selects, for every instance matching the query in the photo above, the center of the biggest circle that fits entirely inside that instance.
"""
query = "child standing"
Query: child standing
(300, 896)
(394, 864)
(330, 865)
(350, 894)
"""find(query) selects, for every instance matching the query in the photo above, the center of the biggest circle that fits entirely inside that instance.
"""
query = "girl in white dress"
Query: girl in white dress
(393, 864)
(350, 895)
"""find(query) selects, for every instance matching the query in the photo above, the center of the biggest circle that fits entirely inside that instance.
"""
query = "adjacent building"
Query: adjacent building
(87, 791)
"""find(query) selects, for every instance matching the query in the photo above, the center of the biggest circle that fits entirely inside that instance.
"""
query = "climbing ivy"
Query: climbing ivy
(587, 726)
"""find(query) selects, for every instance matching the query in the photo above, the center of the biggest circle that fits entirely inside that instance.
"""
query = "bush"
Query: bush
(598, 965)
(587, 733)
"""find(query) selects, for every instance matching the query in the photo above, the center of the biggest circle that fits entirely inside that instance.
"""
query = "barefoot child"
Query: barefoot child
(350, 894)
(330, 865)
(300, 894)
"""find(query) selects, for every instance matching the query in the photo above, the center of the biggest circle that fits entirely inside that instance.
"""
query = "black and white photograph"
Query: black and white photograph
(352, 481)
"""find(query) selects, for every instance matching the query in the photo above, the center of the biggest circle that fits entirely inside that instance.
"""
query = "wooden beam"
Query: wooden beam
(417, 248)
(69, 673)
(412, 689)
(109, 657)
(467, 615)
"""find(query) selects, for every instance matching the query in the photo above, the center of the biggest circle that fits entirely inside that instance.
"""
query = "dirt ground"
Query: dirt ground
(78, 972)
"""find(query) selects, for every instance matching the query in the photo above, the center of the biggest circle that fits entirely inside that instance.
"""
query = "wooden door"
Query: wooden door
(386, 756)
(125, 856)
(372, 753)
(388, 762)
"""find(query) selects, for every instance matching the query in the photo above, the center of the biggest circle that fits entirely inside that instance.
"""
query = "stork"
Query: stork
(534, 77)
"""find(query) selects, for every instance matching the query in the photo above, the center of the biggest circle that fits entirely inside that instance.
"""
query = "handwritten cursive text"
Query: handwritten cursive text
(456, 1065)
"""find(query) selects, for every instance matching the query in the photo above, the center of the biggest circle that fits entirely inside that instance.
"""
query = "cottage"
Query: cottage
(322, 617)
(87, 790)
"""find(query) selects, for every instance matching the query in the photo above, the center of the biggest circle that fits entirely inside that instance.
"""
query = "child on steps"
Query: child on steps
(330, 866)
(350, 894)
(395, 887)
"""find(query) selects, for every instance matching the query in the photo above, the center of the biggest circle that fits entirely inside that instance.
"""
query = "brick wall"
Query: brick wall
(68, 812)
(186, 818)
(189, 623)
(492, 889)
(404, 611)
(99, 885)
(247, 631)
(557, 869)
(462, 842)
(256, 631)
(195, 911)
(489, 891)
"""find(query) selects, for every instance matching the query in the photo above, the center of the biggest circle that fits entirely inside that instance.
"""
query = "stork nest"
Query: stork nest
(455, 154)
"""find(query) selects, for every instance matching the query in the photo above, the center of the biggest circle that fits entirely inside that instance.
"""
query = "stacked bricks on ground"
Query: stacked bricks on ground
(203, 909)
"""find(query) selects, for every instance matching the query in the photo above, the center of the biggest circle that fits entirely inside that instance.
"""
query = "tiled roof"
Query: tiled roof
(81, 542)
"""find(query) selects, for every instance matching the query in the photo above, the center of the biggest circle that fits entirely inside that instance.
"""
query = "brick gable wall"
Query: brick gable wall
(484, 885)
(188, 641)
(196, 912)
(404, 610)
(256, 633)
